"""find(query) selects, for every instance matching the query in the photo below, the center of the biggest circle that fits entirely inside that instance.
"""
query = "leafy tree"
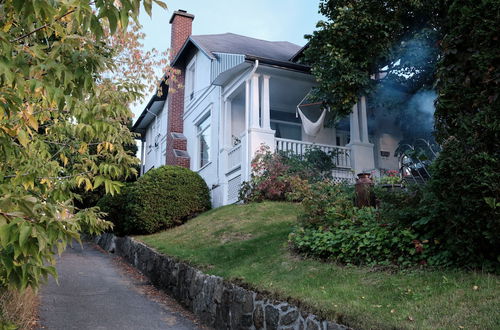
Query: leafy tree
(62, 125)
(363, 40)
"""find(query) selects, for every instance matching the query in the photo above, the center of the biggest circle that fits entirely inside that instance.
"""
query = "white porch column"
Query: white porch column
(354, 124)
(362, 156)
(255, 102)
(227, 125)
(364, 121)
(266, 107)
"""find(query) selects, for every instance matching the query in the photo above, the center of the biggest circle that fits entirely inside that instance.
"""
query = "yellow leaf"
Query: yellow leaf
(64, 159)
(33, 122)
(7, 26)
(83, 148)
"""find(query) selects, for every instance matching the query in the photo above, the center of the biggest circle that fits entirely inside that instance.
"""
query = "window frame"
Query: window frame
(199, 133)
(191, 79)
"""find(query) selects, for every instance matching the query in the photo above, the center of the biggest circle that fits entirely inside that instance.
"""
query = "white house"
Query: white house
(234, 93)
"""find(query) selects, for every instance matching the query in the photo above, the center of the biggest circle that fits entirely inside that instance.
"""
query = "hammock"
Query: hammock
(311, 128)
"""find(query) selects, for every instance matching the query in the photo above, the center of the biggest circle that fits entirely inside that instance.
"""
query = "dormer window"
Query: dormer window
(190, 79)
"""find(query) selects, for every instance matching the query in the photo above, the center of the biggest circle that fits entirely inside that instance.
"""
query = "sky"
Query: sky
(274, 20)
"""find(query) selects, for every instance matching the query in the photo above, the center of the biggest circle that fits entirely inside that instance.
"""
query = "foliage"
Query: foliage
(327, 203)
(384, 40)
(363, 38)
(360, 239)
(285, 175)
(389, 177)
(468, 128)
(115, 207)
(63, 120)
(164, 197)
(332, 228)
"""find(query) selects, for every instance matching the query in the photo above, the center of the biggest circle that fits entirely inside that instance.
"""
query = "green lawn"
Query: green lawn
(248, 243)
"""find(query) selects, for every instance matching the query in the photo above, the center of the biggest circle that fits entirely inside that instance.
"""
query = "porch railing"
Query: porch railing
(341, 156)
(234, 157)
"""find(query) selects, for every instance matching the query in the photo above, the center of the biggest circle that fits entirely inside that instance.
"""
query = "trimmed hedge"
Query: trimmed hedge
(162, 198)
(165, 197)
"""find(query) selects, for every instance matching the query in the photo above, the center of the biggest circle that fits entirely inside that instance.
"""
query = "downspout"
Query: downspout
(141, 170)
(247, 117)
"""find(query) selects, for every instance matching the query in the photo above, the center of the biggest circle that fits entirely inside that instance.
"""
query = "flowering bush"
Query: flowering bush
(284, 175)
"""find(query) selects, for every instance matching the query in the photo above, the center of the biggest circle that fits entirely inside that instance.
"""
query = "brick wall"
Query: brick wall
(181, 30)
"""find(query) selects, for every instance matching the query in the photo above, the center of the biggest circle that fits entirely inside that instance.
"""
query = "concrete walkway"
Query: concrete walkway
(99, 291)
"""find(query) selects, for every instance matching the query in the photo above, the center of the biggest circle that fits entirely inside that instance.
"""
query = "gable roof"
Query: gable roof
(237, 44)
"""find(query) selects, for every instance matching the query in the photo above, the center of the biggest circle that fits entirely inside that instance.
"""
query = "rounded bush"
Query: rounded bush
(165, 197)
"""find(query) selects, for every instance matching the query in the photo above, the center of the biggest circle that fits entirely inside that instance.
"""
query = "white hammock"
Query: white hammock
(312, 128)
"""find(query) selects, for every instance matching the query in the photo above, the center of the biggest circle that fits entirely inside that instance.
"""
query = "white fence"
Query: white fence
(341, 156)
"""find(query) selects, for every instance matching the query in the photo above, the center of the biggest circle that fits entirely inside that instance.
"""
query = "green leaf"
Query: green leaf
(24, 233)
(4, 235)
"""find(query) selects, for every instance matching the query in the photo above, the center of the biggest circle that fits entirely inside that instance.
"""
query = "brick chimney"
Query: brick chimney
(181, 22)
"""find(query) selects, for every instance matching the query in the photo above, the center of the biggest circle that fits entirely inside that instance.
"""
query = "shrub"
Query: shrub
(326, 203)
(165, 197)
(161, 198)
(332, 228)
(360, 240)
(284, 175)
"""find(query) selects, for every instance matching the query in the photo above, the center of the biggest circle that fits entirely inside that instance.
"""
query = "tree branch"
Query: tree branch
(43, 26)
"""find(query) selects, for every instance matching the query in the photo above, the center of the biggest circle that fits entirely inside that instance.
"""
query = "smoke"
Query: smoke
(421, 105)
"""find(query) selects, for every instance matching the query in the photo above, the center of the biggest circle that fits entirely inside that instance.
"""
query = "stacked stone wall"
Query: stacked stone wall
(217, 303)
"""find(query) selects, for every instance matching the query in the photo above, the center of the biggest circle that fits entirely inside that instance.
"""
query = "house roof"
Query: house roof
(237, 44)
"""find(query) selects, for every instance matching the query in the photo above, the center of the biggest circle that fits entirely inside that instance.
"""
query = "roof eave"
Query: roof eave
(281, 64)
(181, 52)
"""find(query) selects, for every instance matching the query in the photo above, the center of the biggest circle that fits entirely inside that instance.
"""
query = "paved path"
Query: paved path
(98, 291)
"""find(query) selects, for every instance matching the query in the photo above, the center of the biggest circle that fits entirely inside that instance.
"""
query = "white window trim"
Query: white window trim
(191, 80)
(206, 115)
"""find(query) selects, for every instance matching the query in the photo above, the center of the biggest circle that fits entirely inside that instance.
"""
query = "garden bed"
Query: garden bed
(248, 244)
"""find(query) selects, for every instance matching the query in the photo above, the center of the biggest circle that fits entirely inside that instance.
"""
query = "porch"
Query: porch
(261, 109)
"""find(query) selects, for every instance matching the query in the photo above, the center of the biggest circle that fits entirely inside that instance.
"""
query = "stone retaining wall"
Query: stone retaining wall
(215, 302)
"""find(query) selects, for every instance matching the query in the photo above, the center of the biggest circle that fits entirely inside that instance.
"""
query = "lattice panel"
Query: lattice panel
(343, 176)
(233, 189)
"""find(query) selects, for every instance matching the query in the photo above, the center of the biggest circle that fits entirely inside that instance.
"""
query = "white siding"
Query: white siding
(156, 141)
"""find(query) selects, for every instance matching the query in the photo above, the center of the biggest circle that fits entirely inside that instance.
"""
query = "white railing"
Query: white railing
(234, 157)
(340, 155)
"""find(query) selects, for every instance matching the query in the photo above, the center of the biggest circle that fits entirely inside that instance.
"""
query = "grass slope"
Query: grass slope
(248, 243)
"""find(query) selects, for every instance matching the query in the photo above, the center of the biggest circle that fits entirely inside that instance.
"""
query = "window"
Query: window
(190, 79)
(291, 131)
(204, 141)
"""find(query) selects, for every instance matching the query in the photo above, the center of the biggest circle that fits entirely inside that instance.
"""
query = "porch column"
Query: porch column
(255, 103)
(266, 109)
(227, 122)
(364, 121)
(361, 151)
(354, 124)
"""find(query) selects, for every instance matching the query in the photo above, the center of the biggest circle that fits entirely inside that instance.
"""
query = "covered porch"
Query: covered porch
(261, 109)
